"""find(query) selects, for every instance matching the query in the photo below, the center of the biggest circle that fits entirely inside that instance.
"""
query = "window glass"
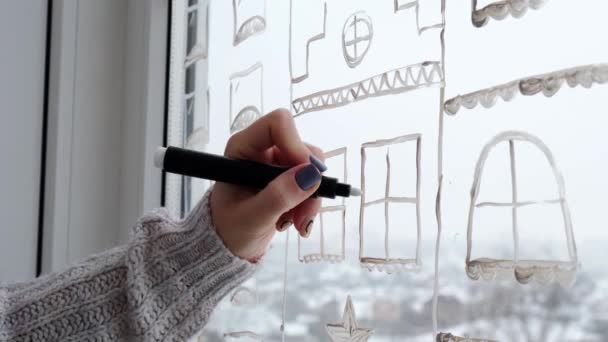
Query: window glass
(522, 243)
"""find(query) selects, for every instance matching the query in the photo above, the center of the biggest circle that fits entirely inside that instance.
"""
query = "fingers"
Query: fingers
(274, 129)
(282, 194)
(316, 151)
(305, 214)
(275, 156)
(285, 221)
(302, 215)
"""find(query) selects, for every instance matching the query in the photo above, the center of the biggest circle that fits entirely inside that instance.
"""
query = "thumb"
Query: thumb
(284, 193)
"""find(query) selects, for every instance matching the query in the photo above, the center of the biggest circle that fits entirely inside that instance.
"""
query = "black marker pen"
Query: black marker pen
(236, 171)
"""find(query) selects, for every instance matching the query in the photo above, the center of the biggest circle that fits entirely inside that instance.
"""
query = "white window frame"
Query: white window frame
(138, 183)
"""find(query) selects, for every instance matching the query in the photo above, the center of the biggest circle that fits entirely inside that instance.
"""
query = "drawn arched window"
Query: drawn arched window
(357, 36)
(391, 200)
(525, 271)
(327, 242)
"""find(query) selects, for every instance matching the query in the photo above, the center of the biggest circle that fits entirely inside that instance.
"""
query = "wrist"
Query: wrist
(232, 229)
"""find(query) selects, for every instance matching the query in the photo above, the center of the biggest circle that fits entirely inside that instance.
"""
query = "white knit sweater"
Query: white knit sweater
(161, 286)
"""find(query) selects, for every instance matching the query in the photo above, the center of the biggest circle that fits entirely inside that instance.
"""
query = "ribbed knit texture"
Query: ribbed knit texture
(162, 286)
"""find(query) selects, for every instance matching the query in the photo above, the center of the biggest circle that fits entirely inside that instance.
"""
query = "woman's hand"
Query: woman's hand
(246, 219)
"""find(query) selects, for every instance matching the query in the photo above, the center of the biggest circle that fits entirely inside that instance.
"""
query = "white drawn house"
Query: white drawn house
(369, 74)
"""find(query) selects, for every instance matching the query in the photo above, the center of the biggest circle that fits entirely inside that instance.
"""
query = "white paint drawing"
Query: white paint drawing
(357, 36)
(200, 135)
(548, 84)
(243, 336)
(348, 330)
(438, 217)
(322, 255)
(246, 97)
(294, 75)
(249, 19)
(367, 73)
(525, 271)
(447, 337)
(244, 296)
(385, 263)
(200, 50)
(197, 53)
(397, 81)
(499, 10)
(401, 5)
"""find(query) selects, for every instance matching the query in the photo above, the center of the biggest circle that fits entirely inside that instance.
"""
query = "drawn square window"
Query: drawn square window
(327, 239)
(246, 97)
(376, 213)
(249, 19)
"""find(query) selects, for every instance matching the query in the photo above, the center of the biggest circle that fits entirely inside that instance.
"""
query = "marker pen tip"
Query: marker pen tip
(354, 191)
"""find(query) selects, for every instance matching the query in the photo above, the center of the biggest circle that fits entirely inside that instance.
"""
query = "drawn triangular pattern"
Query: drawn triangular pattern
(400, 80)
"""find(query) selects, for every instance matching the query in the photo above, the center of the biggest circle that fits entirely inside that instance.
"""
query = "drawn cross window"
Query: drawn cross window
(391, 200)
(356, 38)
(327, 240)
(526, 270)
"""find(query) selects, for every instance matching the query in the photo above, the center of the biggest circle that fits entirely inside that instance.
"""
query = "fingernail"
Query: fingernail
(306, 232)
(307, 177)
(318, 163)
(284, 226)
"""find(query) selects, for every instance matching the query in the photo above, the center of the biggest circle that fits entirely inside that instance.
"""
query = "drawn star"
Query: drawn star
(347, 330)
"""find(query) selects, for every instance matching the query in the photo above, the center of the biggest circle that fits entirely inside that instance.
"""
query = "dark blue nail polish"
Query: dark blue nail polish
(318, 163)
(308, 176)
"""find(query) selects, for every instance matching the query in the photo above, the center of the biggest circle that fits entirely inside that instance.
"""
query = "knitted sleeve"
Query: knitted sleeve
(162, 286)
